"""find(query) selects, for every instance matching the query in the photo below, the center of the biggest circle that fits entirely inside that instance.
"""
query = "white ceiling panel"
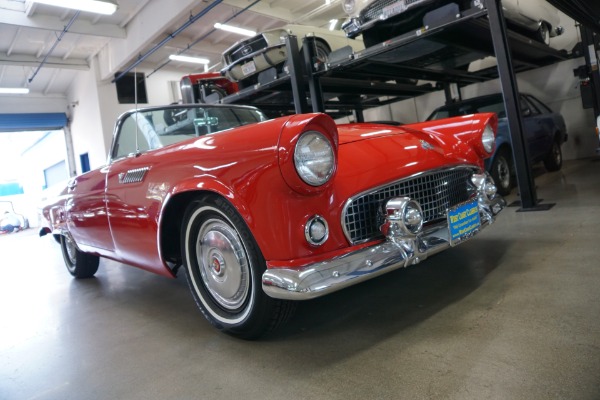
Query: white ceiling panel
(29, 31)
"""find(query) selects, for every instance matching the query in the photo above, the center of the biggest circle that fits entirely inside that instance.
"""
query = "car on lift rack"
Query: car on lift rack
(263, 212)
(246, 59)
(381, 20)
(545, 131)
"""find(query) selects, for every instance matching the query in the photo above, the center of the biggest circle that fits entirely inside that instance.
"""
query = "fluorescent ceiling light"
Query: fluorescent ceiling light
(95, 6)
(7, 90)
(235, 29)
(196, 60)
(332, 24)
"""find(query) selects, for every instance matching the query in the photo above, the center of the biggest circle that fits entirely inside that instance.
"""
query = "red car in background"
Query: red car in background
(207, 87)
(260, 213)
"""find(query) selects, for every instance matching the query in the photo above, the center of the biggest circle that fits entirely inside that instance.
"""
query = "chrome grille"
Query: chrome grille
(248, 47)
(375, 9)
(133, 175)
(435, 191)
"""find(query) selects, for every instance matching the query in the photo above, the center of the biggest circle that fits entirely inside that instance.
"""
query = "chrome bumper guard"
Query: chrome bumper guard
(325, 277)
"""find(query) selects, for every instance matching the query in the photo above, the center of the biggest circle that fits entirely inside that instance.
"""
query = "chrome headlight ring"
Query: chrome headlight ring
(316, 230)
(314, 158)
(488, 138)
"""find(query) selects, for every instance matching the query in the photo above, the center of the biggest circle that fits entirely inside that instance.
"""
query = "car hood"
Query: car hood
(375, 154)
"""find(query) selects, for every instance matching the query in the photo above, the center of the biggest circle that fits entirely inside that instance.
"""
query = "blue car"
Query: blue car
(544, 130)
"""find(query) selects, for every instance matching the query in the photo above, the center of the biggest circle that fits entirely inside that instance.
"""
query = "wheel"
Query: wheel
(543, 34)
(322, 51)
(553, 161)
(224, 269)
(79, 264)
(502, 172)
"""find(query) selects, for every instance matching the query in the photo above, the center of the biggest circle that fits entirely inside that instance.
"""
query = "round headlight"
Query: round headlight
(488, 138)
(348, 6)
(314, 158)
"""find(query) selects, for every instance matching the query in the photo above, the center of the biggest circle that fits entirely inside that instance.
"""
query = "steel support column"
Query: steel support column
(591, 62)
(296, 74)
(510, 90)
(314, 83)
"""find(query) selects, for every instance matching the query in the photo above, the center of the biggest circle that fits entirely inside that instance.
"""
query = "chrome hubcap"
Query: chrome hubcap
(223, 264)
(71, 250)
(557, 155)
(503, 171)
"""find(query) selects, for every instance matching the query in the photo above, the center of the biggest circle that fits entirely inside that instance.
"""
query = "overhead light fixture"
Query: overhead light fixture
(7, 90)
(235, 29)
(332, 24)
(94, 6)
(196, 60)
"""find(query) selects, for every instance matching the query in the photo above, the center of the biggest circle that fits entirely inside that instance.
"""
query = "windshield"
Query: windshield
(149, 129)
(493, 104)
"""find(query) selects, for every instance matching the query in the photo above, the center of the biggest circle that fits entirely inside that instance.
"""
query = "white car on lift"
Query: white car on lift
(243, 61)
(380, 20)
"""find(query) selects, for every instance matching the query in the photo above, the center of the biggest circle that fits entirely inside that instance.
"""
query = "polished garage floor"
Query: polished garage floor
(512, 314)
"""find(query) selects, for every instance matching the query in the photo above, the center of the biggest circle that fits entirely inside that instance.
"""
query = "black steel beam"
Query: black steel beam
(591, 61)
(296, 74)
(510, 92)
(314, 84)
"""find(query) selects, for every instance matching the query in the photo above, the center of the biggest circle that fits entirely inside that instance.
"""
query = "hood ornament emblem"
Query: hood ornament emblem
(426, 145)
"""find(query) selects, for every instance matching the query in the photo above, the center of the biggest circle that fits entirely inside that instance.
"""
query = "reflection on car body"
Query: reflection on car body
(262, 212)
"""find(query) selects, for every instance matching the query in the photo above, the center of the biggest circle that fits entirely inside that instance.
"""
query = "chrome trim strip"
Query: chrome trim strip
(326, 277)
(133, 175)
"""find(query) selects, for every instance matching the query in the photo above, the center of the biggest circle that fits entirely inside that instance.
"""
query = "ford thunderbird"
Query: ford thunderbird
(260, 213)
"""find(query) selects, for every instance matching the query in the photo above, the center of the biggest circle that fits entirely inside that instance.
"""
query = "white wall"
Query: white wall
(93, 119)
(32, 104)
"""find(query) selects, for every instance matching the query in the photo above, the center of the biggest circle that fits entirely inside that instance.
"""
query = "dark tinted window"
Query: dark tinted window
(493, 104)
(544, 109)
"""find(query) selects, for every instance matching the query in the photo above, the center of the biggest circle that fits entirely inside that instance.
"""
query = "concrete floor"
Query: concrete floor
(511, 314)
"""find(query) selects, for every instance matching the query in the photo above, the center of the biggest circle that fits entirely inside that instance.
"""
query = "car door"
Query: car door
(534, 131)
(547, 122)
(131, 208)
(86, 213)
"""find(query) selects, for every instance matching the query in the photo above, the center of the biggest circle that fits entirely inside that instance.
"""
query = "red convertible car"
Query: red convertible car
(260, 213)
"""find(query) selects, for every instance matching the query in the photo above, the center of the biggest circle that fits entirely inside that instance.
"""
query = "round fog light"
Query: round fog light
(413, 217)
(316, 230)
(490, 190)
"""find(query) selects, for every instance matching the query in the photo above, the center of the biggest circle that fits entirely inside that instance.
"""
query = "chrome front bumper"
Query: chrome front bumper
(325, 277)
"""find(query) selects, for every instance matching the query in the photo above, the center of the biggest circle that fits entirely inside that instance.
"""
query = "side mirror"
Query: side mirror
(526, 111)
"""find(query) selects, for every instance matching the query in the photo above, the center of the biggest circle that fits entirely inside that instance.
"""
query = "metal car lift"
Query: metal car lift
(386, 73)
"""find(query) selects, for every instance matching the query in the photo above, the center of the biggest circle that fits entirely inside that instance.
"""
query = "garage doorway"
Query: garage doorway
(34, 162)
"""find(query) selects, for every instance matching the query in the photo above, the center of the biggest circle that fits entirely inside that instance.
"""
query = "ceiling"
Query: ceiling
(31, 33)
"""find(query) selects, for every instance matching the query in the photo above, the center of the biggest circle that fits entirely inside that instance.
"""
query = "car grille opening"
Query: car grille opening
(435, 191)
(375, 9)
(247, 47)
